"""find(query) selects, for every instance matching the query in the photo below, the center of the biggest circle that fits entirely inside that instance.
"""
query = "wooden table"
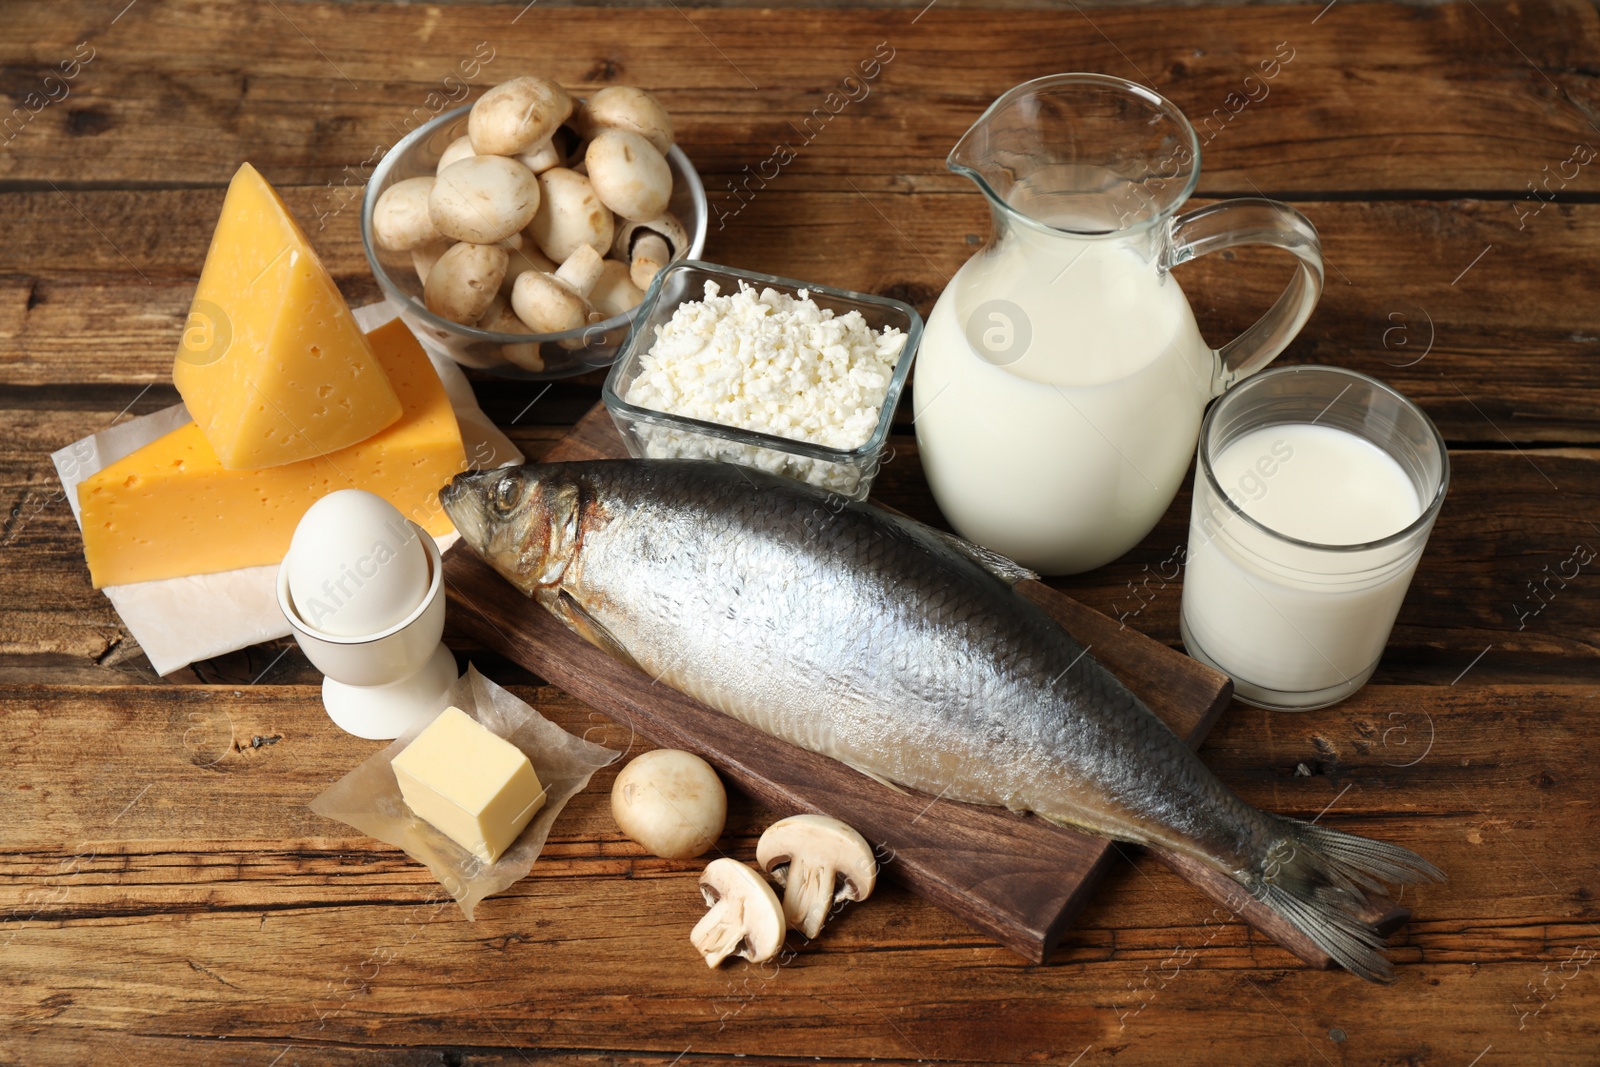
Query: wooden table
(168, 897)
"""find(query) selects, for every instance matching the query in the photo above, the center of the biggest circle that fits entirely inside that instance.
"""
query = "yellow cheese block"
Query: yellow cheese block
(470, 784)
(171, 509)
(272, 365)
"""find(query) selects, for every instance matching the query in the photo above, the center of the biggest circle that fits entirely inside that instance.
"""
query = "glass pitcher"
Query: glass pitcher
(1062, 378)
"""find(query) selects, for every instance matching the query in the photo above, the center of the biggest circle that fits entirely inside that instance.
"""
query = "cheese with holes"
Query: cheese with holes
(272, 365)
(470, 784)
(172, 509)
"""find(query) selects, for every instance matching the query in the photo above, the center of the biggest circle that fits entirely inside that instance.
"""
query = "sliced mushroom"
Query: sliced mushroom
(745, 917)
(458, 149)
(423, 257)
(649, 246)
(483, 199)
(624, 107)
(401, 219)
(615, 293)
(570, 214)
(516, 115)
(551, 303)
(464, 281)
(818, 861)
(630, 175)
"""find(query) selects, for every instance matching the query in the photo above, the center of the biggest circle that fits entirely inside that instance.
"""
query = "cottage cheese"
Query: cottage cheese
(773, 363)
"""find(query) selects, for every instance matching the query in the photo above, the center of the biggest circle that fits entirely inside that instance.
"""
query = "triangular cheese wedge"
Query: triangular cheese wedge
(170, 509)
(272, 366)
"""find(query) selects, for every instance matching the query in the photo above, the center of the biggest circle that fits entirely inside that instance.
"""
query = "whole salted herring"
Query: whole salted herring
(900, 651)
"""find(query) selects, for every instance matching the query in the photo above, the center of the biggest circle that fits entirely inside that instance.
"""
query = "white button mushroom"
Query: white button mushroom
(464, 281)
(615, 292)
(818, 861)
(670, 803)
(423, 257)
(629, 173)
(401, 219)
(456, 150)
(570, 214)
(483, 199)
(649, 246)
(745, 917)
(501, 319)
(541, 157)
(522, 260)
(551, 303)
(517, 116)
(624, 107)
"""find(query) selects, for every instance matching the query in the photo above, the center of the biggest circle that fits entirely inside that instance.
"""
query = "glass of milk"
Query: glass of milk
(1315, 491)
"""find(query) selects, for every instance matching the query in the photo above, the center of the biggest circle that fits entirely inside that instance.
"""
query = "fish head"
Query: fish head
(522, 520)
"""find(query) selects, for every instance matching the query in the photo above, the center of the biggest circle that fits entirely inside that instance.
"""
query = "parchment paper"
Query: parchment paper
(179, 620)
(368, 798)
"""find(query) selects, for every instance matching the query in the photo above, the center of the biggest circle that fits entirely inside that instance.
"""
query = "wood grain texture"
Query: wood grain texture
(179, 92)
(164, 883)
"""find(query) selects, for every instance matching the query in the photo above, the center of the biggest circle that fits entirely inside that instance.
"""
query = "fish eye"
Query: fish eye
(507, 492)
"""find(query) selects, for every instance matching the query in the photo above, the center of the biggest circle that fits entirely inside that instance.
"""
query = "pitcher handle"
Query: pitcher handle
(1255, 221)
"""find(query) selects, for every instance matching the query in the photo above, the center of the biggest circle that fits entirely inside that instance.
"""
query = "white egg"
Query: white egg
(356, 566)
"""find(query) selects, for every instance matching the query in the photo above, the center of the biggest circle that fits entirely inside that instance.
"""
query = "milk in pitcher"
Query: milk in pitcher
(1058, 436)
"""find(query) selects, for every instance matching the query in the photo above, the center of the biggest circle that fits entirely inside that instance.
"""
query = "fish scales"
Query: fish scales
(876, 644)
(874, 640)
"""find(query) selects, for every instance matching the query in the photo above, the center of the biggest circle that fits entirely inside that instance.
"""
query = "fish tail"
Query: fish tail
(1317, 879)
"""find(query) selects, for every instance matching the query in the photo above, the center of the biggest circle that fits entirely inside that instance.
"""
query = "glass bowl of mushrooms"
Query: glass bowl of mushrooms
(518, 234)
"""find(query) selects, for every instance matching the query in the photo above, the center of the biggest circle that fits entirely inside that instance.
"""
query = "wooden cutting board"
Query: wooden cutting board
(1015, 877)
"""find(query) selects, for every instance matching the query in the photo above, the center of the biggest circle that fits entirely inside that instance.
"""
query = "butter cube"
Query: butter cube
(476, 788)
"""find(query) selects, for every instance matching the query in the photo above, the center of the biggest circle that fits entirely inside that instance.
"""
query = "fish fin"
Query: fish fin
(562, 605)
(993, 562)
(1316, 878)
(880, 779)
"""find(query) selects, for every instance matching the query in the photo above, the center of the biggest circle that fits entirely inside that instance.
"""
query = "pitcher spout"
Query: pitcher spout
(1040, 155)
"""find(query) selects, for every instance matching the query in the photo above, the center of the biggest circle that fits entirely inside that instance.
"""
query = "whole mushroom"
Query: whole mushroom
(625, 107)
(630, 175)
(456, 150)
(614, 292)
(501, 319)
(464, 281)
(517, 116)
(483, 199)
(745, 917)
(570, 214)
(522, 260)
(551, 303)
(401, 220)
(819, 861)
(649, 246)
(670, 803)
(423, 257)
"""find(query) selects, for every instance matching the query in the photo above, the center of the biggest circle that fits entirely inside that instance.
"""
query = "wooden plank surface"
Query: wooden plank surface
(164, 878)
(168, 898)
(307, 90)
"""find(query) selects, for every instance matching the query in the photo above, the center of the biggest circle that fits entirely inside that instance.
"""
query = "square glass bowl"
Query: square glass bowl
(510, 355)
(652, 434)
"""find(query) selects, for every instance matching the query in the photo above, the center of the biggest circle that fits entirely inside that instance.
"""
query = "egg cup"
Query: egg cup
(380, 685)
